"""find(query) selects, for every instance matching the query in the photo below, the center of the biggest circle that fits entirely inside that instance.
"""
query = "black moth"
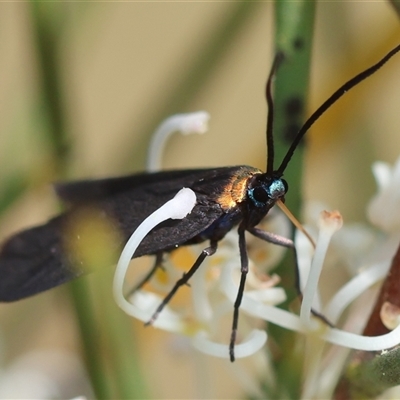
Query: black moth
(36, 259)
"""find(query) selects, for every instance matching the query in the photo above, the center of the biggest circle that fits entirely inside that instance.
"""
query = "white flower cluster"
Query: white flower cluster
(214, 287)
(367, 252)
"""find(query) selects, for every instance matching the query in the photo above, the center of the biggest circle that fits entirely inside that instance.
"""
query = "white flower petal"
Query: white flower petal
(256, 308)
(273, 295)
(186, 123)
(360, 342)
(254, 342)
(329, 224)
(354, 288)
(176, 208)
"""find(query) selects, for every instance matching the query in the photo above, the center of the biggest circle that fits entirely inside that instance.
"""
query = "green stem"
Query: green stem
(121, 346)
(294, 34)
(47, 23)
(47, 19)
(85, 313)
(367, 379)
(12, 187)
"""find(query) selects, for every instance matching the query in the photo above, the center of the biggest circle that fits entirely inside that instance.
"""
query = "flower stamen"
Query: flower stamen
(250, 345)
(196, 122)
(176, 208)
(329, 223)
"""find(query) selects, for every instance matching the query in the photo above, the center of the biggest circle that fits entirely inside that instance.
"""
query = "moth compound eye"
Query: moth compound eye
(260, 194)
(267, 192)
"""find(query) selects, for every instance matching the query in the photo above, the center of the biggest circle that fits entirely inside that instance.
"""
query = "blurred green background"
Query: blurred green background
(121, 68)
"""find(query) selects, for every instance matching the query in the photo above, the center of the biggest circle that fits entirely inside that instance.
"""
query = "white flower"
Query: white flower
(143, 307)
(215, 286)
(207, 284)
(368, 254)
(213, 290)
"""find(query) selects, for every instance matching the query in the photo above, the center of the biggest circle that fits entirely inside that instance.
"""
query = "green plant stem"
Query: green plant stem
(122, 347)
(369, 378)
(12, 187)
(89, 333)
(47, 19)
(294, 34)
(47, 28)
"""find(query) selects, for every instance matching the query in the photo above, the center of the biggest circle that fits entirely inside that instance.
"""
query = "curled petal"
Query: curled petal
(196, 122)
(354, 288)
(253, 342)
(176, 208)
(359, 342)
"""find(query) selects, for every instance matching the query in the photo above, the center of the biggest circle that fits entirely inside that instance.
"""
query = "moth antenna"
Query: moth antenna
(270, 117)
(329, 102)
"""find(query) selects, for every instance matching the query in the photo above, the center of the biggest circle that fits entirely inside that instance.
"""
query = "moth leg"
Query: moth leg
(157, 264)
(209, 251)
(288, 243)
(244, 269)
